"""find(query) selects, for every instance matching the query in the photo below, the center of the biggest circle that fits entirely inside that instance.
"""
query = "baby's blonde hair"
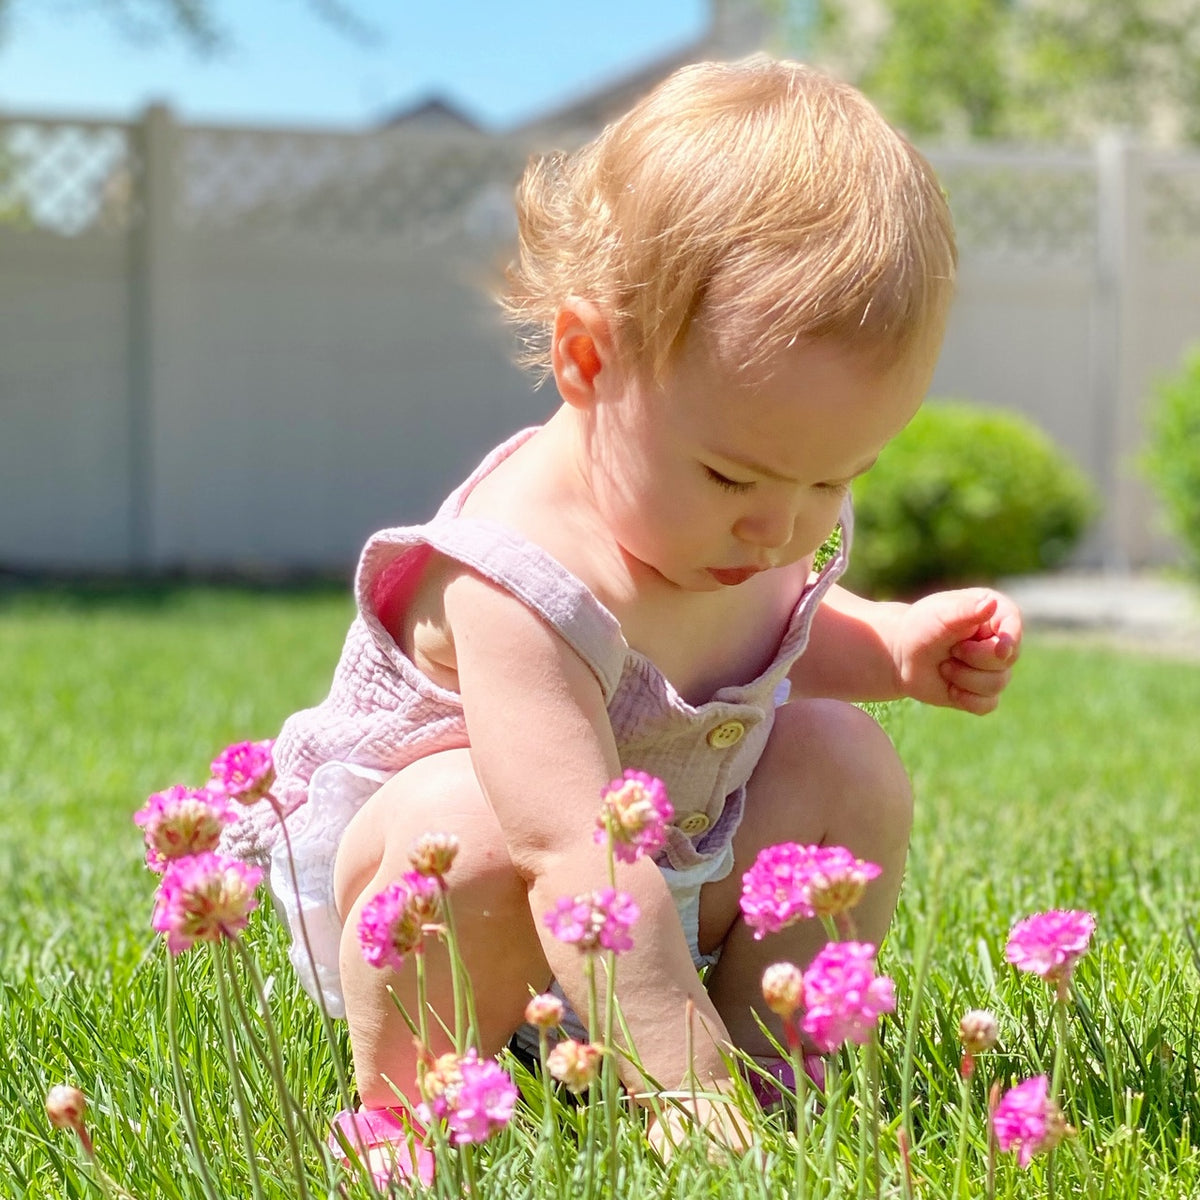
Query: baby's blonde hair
(760, 199)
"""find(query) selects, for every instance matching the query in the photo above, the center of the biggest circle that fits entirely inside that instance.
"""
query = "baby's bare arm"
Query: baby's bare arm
(543, 749)
(953, 648)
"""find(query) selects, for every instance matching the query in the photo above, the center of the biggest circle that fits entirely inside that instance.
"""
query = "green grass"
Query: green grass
(1080, 792)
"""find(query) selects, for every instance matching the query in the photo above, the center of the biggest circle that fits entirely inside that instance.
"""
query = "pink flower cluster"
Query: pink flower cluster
(474, 1097)
(599, 920)
(634, 815)
(181, 821)
(1027, 1121)
(790, 882)
(203, 898)
(392, 923)
(843, 997)
(1049, 944)
(245, 771)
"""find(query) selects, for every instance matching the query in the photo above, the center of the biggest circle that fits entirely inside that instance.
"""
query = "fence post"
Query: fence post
(1120, 222)
(155, 136)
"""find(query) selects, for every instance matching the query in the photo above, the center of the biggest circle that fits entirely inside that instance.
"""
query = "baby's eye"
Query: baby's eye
(839, 487)
(723, 481)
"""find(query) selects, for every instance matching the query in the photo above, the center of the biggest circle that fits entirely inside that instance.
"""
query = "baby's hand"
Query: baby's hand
(957, 649)
(716, 1116)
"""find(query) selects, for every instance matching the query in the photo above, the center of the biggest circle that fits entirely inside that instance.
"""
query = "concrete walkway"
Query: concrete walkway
(1149, 611)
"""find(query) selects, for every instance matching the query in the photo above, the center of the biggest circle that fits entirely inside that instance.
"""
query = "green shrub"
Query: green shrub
(1172, 458)
(965, 495)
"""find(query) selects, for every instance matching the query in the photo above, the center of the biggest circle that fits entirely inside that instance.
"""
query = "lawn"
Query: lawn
(1079, 793)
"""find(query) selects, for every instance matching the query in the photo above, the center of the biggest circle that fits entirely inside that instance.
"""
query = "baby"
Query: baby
(740, 290)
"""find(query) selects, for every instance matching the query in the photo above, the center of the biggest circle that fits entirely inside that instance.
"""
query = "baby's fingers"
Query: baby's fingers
(973, 689)
(995, 653)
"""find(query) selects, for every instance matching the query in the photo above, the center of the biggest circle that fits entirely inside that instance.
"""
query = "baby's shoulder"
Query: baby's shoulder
(531, 495)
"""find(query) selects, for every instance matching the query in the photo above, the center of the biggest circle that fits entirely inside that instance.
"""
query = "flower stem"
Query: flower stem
(993, 1099)
(873, 1072)
(961, 1183)
(275, 1065)
(797, 1053)
(240, 1104)
(468, 1160)
(913, 1023)
(339, 1066)
(832, 1112)
(182, 1092)
(864, 1130)
(549, 1143)
(1060, 1030)
(589, 969)
(1060, 1044)
(466, 1024)
(608, 1067)
(422, 1009)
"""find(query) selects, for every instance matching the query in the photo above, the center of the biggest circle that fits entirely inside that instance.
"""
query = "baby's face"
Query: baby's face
(713, 476)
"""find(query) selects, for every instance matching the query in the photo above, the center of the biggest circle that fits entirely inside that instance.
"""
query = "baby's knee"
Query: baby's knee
(844, 754)
(435, 796)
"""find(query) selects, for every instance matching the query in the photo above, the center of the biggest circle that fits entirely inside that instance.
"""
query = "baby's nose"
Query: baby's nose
(769, 530)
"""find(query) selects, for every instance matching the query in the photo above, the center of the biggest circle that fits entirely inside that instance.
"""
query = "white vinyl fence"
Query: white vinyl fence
(227, 349)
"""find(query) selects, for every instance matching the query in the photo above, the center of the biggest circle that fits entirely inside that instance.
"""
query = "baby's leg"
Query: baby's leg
(829, 775)
(498, 939)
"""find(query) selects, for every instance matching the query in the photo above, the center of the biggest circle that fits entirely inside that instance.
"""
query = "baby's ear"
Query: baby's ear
(580, 351)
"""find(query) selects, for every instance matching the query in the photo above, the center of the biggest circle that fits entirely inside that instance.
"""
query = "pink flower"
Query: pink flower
(594, 920)
(1028, 1121)
(474, 1097)
(439, 1087)
(1049, 944)
(485, 1101)
(392, 923)
(245, 771)
(843, 997)
(836, 879)
(182, 821)
(634, 815)
(789, 882)
(203, 898)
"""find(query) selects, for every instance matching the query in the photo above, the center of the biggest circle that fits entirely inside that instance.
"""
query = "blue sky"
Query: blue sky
(501, 62)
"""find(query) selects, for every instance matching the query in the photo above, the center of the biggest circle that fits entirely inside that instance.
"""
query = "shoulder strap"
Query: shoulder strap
(512, 562)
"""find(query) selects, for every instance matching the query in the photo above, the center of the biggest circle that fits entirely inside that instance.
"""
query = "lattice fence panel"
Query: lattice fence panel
(1172, 206)
(1022, 209)
(383, 186)
(68, 178)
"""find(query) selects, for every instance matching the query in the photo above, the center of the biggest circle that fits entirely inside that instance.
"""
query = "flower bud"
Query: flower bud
(574, 1064)
(544, 1011)
(978, 1031)
(65, 1106)
(433, 854)
(783, 988)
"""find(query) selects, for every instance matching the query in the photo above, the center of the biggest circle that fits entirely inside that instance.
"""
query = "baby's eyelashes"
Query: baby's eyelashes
(723, 481)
